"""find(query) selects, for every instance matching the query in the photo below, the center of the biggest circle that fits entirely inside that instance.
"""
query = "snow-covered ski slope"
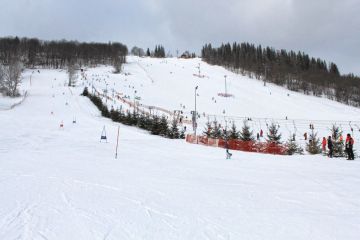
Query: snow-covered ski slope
(64, 184)
(170, 84)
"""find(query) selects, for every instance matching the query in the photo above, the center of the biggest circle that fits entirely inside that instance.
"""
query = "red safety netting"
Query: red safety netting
(246, 146)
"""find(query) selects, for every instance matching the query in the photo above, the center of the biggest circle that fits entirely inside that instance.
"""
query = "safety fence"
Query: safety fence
(246, 146)
(140, 107)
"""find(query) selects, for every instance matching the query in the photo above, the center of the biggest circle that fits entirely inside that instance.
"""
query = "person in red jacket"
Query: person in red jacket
(349, 142)
(324, 144)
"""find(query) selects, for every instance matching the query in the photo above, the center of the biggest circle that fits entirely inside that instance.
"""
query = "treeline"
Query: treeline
(296, 71)
(57, 54)
(154, 124)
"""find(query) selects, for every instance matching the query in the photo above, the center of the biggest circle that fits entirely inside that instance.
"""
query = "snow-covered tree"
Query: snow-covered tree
(216, 130)
(273, 135)
(338, 144)
(314, 145)
(10, 77)
(234, 133)
(174, 131)
(292, 147)
(245, 133)
(72, 72)
(207, 130)
(117, 63)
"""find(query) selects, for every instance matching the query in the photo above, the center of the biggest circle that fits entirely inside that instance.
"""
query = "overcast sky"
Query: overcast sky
(329, 29)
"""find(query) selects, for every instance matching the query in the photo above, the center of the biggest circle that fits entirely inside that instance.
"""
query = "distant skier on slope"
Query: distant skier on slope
(330, 147)
(349, 142)
(324, 145)
(228, 154)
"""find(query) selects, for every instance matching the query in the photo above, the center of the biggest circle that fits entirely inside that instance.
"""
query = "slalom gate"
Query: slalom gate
(246, 146)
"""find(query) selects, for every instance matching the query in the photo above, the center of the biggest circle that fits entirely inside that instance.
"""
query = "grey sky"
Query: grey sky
(329, 29)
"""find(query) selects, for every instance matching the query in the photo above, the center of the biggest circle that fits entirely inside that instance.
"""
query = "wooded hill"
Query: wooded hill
(295, 71)
(56, 54)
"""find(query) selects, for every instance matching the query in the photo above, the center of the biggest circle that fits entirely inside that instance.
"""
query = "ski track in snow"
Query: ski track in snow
(64, 184)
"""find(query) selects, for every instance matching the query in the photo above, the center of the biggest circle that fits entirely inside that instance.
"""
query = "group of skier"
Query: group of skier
(329, 143)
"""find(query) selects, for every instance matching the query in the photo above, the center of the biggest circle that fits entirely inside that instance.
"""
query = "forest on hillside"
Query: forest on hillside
(296, 71)
(17, 53)
(57, 54)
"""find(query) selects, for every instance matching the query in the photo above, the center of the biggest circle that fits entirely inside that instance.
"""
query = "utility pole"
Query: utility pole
(195, 115)
(225, 86)
(117, 143)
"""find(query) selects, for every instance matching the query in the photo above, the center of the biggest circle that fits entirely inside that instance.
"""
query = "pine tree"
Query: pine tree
(245, 133)
(134, 118)
(155, 125)
(148, 52)
(182, 134)
(164, 128)
(338, 146)
(142, 121)
(292, 147)
(314, 145)
(234, 133)
(207, 130)
(174, 131)
(85, 92)
(216, 131)
(114, 115)
(273, 135)
(128, 118)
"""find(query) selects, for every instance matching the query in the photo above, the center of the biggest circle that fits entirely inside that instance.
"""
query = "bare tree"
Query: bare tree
(10, 78)
(72, 72)
(2, 78)
(136, 51)
(117, 64)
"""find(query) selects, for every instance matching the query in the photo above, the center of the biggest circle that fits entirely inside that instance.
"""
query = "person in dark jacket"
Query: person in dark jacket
(228, 154)
(349, 147)
(330, 147)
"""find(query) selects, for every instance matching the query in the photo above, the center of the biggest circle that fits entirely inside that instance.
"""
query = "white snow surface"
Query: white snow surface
(64, 184)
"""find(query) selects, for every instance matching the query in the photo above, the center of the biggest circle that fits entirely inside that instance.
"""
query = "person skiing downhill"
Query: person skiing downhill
(349, 142)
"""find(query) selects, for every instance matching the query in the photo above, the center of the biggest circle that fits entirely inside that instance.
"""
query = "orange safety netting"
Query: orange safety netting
(246, 146)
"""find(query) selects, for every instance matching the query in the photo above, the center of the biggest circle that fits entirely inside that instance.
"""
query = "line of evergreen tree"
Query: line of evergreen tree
(159, 51)
(154, 124)
(295, 70)
(56, 54)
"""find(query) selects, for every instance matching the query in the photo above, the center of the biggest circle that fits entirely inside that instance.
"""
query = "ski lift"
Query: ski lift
(103, 135)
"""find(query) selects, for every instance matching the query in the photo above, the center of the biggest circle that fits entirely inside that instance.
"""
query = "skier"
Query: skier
(349, 142)
(305, 136)
(258, 136)
(330, 147)
(261, 133)
(324, 144)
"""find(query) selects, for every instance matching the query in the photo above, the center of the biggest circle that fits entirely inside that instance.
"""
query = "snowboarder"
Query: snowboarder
(330, 147)
(228, 154)
(324, 144)
(349, 142)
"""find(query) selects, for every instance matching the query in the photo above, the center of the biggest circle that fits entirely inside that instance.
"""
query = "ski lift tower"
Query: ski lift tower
(195, 114)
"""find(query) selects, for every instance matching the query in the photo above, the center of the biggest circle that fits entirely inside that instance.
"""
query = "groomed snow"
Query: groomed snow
(64, 184)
